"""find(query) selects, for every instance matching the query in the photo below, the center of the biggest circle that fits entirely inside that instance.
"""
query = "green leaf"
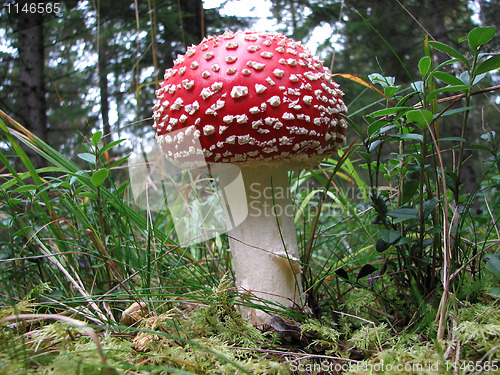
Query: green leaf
(87, 157)
(381, 80)
(119, 161)
(388, 127)
(465, 77)
(493, 63)
(448, 78)
(110, 145)
(99, 177)
(478, 147)
(342, 273)
(366, 270)
(410, 188)
(421, 117)
(429, 206)
(452, 112)
(410, 137)
(403, 213)
(480, 35)
(14, 201)
(374, 145)
(493, 265)
(388, 111)
(452, 181)
(365, 155)
(88, 194)
(390, 236)
(379, 202)
(447, 62)
(478, 79)
(495, 291)
(375, 126)
(353, 126)
(446, 89)
(450, 51)
(21, 232)
(25, 188)
(96, 137)
(389, 91)
(386, 239)
(424, 65)
(402, 101)
(418, 86)
(489, 137)
(381, 245)
(452, 139)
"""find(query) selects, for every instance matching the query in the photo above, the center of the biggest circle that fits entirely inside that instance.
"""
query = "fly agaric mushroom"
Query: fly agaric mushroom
(260, 101)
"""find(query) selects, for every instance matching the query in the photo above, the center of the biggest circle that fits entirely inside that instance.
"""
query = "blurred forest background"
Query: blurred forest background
(96, 64)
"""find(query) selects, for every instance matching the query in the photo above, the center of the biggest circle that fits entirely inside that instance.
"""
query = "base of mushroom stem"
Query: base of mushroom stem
(256, 316)
(264, 245)
(261, 319)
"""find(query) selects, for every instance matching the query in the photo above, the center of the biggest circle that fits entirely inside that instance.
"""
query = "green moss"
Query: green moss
(84, 359)
(473, 290)
(329, 337)
(356, 301)
(60, 349)
(402, 359)
(480, 313)
(59, 333)
(479, 337)
(372, 338)
(213, 339)
(13, 354)
(221, 318)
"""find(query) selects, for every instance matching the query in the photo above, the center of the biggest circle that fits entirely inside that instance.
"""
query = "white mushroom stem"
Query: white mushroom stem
(264, 246)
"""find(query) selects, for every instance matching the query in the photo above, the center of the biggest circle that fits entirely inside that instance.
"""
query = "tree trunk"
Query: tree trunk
(103, 83)
(193, 18)
(436, 19)
(451, 126)
(32, 108)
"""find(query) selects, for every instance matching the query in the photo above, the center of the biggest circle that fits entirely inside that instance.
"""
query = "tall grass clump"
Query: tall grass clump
(399, 247)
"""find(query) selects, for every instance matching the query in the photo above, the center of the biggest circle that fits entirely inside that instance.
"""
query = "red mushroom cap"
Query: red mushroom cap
(249, 97)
